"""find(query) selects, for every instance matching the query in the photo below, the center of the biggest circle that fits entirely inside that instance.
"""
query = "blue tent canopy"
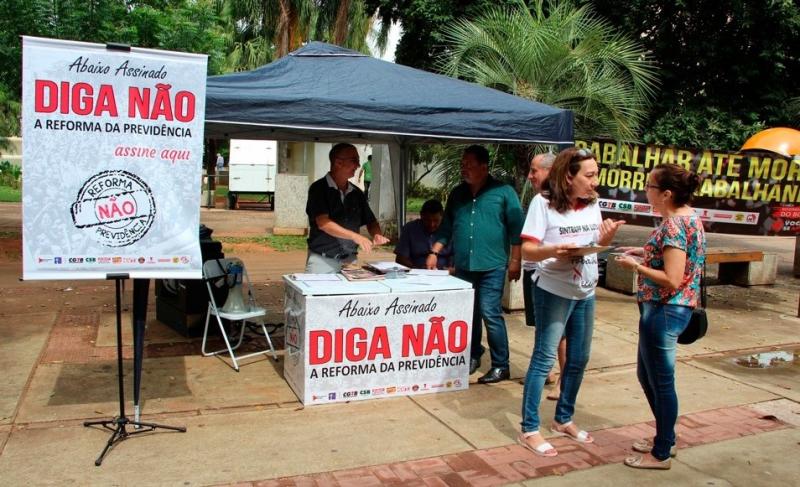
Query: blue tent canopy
(322, 92)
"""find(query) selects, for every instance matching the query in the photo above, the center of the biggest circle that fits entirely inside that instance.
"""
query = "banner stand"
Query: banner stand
(117, 425)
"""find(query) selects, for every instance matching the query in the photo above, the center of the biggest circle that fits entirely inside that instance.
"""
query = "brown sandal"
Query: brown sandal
(649, 462)
(646, 446)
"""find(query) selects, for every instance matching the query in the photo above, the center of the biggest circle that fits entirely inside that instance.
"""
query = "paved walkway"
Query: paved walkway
(739, 425)
(513, 464)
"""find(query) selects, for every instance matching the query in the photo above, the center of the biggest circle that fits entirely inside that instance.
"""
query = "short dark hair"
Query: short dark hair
(338, 148)
(480, 153)
(681, 181)
(432, 206)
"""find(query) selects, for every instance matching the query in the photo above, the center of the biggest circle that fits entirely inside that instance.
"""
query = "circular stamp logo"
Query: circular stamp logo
(116, 206)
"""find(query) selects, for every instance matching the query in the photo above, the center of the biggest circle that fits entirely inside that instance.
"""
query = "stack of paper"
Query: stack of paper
(382, 267)
(360, 275)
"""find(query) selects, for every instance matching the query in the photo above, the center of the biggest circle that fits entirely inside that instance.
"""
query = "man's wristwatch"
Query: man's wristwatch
(433, 252)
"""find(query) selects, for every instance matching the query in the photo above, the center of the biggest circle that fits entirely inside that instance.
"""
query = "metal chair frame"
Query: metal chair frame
(214, 272)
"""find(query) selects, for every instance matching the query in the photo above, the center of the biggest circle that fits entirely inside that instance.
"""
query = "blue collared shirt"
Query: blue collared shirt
(415, 243)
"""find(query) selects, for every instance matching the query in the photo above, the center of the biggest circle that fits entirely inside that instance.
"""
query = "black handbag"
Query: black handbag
(698, 323)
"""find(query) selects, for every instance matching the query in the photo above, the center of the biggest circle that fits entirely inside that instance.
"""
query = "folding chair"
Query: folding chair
(218, 273)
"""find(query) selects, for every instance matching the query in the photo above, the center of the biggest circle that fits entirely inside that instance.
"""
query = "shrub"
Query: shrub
(10, 175)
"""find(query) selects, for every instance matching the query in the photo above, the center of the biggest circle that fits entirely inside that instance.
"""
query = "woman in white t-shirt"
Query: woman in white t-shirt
(560, 219)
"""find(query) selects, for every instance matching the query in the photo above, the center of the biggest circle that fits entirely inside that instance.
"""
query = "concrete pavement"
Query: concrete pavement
(739, 425)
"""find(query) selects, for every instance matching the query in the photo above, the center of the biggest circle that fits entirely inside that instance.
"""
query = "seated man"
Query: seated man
(416, 239)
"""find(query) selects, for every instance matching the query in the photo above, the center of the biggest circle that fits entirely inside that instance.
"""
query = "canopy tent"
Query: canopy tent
(326, 93)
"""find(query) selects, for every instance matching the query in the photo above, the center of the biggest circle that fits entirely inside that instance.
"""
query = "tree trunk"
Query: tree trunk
(340, 26)
(283, 29)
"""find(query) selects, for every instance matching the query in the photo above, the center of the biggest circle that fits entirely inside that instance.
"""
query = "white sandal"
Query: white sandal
(543, 450)
(561, 430)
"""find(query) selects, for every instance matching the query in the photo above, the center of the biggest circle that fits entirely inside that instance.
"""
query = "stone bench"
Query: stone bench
(743, 267)
(512, 296)
(736, 266)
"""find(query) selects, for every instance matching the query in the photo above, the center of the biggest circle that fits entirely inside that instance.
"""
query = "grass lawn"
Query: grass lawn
(281, 243)
(10, 195)
(222, 192)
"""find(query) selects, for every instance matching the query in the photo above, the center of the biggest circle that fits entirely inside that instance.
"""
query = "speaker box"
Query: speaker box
(181, 304)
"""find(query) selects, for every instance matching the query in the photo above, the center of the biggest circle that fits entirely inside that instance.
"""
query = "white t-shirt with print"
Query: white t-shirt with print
(571, 278)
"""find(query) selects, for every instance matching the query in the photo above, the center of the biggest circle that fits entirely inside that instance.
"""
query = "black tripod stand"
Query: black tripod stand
(117, 425)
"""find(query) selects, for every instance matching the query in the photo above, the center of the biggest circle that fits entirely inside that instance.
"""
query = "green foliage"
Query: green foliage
(10, 182)
(187, 26)
(560, 55)
(794, 110)
(445, 166)
(424, 193)
(553, 53)
(10, 175)
(728, 63)
(259, 31)
(422, 42)
(707, 127)
(9, 114)
(414, 203)
(430, 159)
(342, 22)
(179, 25)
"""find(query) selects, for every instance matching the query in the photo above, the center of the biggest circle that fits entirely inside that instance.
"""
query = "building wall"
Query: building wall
(308, 159)
(13, 153)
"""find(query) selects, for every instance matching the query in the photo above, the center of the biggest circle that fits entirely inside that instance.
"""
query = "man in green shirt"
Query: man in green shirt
(483, 220)
(366, 168)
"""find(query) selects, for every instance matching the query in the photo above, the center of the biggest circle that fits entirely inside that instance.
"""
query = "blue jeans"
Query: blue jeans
(557, 317)
(659, 327)
(488, 287)
(527, 297)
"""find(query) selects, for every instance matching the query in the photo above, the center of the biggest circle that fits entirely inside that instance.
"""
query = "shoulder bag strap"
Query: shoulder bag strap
(703, 287)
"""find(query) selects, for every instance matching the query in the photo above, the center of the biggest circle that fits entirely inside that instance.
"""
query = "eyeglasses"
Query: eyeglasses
(651, 186)
(585, 153)
(353, 160)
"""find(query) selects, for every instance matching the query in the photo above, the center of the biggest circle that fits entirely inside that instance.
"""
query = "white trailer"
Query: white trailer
(253, 165)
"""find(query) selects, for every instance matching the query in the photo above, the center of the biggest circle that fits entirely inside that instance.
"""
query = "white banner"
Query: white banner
(346, 348)
(112, 157)
(705, 214)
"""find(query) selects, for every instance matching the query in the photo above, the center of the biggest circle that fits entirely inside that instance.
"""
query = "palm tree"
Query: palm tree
(344, 23)
(264, 30)
(560, 55)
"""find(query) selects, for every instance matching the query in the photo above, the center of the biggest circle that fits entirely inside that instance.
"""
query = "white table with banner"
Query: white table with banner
(355, 340)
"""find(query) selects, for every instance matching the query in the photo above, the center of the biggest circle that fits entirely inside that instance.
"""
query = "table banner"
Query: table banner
(112, 157)
(347, 348)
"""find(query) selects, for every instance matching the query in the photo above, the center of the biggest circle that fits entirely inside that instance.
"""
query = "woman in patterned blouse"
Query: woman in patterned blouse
(670, 267)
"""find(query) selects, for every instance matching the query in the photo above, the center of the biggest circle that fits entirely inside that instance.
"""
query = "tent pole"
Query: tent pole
(401, 196)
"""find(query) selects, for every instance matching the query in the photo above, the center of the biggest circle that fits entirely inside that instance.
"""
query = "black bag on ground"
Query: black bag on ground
(698, 323)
